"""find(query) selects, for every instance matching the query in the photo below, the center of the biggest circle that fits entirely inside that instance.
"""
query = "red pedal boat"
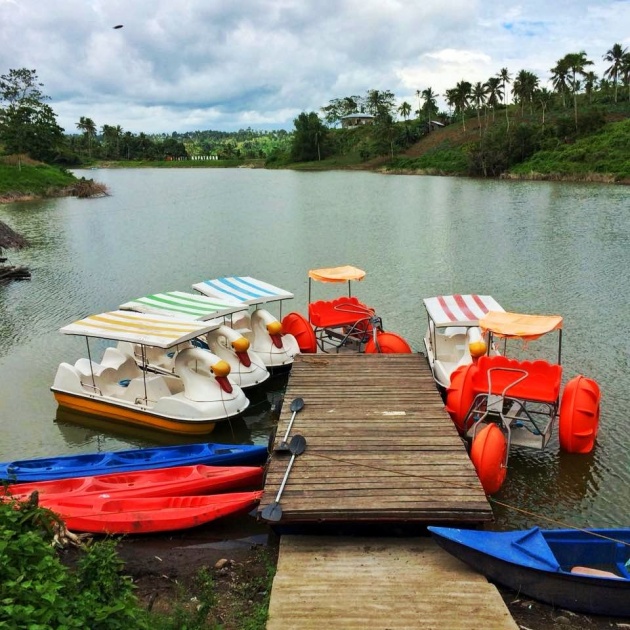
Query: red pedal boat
(99, 515)
(159, 482)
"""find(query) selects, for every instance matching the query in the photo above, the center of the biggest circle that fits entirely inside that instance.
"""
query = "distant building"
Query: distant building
(354, 120)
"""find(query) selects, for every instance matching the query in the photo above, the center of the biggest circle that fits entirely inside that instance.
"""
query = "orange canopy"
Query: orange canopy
(527, 327)
(337, 274)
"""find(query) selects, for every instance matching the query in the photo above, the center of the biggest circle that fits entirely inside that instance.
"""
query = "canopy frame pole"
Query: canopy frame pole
(87, 343)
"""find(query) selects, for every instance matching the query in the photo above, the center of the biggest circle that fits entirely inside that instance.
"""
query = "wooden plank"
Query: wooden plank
(379, 583)
(380, 445)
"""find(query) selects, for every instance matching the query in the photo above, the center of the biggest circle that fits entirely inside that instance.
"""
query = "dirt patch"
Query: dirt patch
(238, 556)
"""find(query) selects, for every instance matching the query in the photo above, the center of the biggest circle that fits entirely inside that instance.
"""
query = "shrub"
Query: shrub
(40, 593)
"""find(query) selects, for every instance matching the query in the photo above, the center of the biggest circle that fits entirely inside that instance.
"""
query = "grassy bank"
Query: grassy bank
(603, 157)
(26, 179)
(22, 179)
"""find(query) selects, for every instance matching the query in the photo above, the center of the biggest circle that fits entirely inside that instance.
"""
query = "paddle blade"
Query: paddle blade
(297, 445)
(296, 404)
(272, 512)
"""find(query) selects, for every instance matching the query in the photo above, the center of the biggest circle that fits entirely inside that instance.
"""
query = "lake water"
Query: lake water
(536, 247)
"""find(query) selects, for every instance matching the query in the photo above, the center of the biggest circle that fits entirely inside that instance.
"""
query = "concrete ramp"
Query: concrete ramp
(347, 583)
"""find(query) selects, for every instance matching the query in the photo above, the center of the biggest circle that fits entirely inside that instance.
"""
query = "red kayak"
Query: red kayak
(99, 515)
(159, 482)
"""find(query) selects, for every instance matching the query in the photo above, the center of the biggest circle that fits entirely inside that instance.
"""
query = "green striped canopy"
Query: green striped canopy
(184, 305)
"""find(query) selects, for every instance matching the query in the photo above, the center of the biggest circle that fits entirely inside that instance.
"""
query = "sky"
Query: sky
(186, 65)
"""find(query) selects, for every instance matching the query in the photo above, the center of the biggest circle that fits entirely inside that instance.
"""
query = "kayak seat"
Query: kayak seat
(538, 381)
(343, 311)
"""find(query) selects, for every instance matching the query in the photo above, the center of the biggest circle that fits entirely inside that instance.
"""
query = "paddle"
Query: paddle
(296, 405)
(273, 512)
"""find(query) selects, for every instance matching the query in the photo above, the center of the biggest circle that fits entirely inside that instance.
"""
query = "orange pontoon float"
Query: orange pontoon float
(521, 398)
(343, 323)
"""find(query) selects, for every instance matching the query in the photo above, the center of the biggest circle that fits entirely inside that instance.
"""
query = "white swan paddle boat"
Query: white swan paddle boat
(453, 337)
(343, 323)
(265, 332)
(247, 369)
(190, 401)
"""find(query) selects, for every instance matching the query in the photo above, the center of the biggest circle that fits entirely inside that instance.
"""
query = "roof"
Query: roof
(242, 290)
(184, 305)
(337, 274)
(527, 327)
(460, 310)
(357, 115)
(148, 330)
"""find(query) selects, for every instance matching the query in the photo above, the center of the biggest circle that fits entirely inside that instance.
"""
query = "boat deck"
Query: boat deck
(381, 449)
(379, 583)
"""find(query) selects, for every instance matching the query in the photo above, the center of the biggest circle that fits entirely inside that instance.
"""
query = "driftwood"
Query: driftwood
(11, 239)
(13, 272)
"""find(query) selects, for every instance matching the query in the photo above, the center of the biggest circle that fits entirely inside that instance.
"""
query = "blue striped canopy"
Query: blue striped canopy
(242, 290)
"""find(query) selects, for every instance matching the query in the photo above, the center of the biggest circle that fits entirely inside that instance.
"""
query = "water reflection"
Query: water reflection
(536, 247)
(253, 427)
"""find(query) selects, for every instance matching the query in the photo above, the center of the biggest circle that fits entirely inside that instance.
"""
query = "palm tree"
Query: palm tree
(463, 91)
(576, 62)
(590, 81)
(451, 98)
(559, 79)
(544, 97)
(525, 84)
(625, 71)
(88, 127)
(418, 97)
(430, 104)
(495, 93)
(615, 55)
(479, 96)
(404, 110)
(505, 78)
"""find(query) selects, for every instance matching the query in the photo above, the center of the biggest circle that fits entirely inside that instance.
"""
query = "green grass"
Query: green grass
(604, 154)
(178, 163)
(442, 160)
(37, 180)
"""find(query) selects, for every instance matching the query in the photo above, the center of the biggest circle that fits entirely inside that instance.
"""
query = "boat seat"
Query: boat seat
(156, 388)
(85, 367)
(343, 311)
(498, 375)
(595, 572)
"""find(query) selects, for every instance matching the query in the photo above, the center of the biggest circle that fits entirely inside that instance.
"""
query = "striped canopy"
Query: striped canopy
(148, 330)
(460, 310)
(242, 290)
(180, 304)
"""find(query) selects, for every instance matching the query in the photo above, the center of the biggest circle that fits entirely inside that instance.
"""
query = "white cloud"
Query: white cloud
(199, 64)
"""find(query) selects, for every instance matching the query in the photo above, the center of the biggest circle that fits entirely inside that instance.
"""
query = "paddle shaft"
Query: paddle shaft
(296, 405)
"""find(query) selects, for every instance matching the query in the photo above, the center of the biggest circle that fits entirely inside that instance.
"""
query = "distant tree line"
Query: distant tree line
(28, 124)
(574, 88)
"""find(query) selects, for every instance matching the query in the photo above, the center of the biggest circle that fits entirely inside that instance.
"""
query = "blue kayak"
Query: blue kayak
(583, 570)
(81, 465)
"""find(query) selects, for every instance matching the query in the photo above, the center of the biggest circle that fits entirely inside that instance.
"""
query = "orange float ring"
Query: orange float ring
(298, 326)
(579, 415)
(488, 456)
(388, 343)
(460, 394)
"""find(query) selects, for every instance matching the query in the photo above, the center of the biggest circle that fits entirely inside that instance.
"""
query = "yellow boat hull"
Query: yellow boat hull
(132, 417)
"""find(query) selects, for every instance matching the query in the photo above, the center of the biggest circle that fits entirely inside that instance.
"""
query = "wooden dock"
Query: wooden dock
(381, 584)
(380, 447)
